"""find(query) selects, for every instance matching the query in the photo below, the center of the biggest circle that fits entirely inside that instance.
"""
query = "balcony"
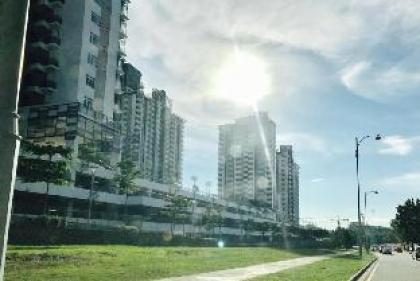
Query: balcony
(55, 2)
(40, 55)
(123, 34)
(51, 84)
(121, 53)
(53, 39)
(41, 79)
(41, 32)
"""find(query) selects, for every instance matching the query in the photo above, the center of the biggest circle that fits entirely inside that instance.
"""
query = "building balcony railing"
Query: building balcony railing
(123, 34)
(121, 53)
(44, 36)
(45, 13)
(43, 57)
(34, 83)
(57, 1)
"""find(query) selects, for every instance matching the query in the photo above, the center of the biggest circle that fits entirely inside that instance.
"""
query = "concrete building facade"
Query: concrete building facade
(246, 161)
(152, 133)
(287, 176)
(73, 54)
(72, 75)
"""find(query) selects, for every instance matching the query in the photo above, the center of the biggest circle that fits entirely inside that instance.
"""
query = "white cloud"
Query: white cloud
(305, 142)
(317, 180)
(408, 180)
(359, 40)
(379, 221)
(382, 83)
(399, 145)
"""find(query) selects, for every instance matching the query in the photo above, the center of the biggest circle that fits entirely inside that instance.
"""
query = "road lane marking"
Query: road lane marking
(372, 273)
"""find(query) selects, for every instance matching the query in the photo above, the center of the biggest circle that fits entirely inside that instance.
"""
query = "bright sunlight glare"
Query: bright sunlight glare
(242, 79)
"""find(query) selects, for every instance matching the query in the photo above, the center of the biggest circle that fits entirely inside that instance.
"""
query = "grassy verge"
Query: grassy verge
(129, 263)
(339, 268)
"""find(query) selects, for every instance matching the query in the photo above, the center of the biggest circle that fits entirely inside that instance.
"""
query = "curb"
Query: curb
(358, 274)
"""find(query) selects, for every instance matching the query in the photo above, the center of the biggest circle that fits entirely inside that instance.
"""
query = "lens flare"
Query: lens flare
(243, 79)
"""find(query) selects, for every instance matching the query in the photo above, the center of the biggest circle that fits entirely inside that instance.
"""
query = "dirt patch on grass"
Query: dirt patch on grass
(44, 258)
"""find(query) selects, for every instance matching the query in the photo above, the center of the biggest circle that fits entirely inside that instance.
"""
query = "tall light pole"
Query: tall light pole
(92, 186)
(208, 186)
(358, 143)
(92, 183)
(13, 20)
(366, 194)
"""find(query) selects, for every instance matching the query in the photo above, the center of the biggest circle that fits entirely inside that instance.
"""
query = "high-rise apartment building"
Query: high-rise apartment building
(152, 133)
(73, 53)
(72, 73)
(246, 163)
(287, 178)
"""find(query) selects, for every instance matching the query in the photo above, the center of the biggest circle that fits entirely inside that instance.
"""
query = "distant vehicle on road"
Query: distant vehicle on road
(381, 248)
(416, 254)
(387, 249)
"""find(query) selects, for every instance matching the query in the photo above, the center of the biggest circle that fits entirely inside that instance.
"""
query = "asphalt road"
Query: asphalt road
(396, 267)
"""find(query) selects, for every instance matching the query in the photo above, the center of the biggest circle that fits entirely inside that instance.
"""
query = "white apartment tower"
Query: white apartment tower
(152, 133)
(246, 163)
(72, 72)
(74, 51)
(287, 175)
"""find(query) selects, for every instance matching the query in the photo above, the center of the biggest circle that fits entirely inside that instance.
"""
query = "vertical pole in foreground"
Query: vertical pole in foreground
(13, 20)
(359, 219)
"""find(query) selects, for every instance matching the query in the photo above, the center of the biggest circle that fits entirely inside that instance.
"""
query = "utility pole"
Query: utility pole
(13, 20)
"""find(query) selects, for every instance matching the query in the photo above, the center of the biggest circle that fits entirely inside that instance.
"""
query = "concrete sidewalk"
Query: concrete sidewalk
(244, 273)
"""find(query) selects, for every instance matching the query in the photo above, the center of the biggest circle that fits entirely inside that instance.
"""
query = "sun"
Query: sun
(242, 79)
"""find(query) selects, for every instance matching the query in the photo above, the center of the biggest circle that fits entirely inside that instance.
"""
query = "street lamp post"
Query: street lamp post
(92, 182)
(365, 220)
(92, 186)
(358, 143)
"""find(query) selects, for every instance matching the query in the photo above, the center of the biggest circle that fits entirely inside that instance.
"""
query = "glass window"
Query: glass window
(90, 81)
(95, 18)
(92, 59)
(93, 38)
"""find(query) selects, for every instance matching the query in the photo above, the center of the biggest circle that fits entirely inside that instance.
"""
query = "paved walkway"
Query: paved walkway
(244, 273)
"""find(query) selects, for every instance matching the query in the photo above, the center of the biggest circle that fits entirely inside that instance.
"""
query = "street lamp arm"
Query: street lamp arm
(362, 139)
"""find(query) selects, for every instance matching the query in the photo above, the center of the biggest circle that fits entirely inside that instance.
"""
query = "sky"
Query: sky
(325, 71)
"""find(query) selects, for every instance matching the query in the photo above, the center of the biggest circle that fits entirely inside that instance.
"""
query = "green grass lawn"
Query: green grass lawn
(129, 263)
(339, 268)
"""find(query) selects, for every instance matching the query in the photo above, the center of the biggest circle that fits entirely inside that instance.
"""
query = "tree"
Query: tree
(177, 210)
(213, 218)
(407, 221)
(89, 154)
(209, 219)
(36, 164)
(344, 238)
(90, 159)
(263, 227)
(127, 173)
(249, 226)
